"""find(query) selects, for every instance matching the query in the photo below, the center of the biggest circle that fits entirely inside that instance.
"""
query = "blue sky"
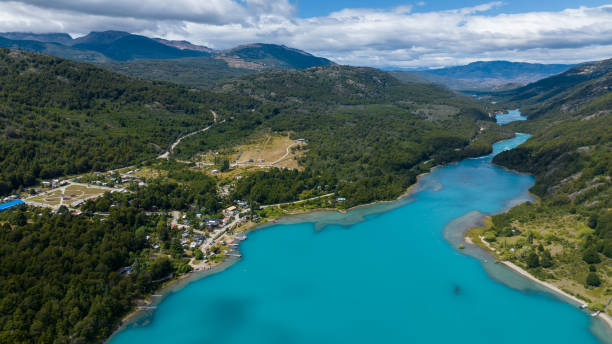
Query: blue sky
(314, 8)
(393, 33)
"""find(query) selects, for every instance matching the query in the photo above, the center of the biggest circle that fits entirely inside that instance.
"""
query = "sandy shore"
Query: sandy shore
(602, 315)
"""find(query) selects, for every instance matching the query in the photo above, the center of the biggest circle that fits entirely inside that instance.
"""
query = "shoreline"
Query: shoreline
(193, 276)
(566, 297)
(167, 287)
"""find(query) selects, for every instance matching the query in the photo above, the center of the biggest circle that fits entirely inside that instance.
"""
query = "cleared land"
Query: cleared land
(270, 150)
(68, 195)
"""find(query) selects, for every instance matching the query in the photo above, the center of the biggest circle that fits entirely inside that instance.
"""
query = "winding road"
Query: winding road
(166, 154)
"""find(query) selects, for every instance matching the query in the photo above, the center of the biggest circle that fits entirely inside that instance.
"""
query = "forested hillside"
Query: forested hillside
(59, 117)
(70, 278)
(207, 72)
(201, 72)
(368, 135)
(180, 62)
(564, 93)
(566, 236)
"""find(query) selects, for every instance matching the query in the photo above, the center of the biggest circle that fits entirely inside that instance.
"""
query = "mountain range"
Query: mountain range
(480, 75)
(195, 65)
(109, 46)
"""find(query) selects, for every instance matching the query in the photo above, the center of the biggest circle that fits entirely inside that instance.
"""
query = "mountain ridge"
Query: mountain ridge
(483, 75)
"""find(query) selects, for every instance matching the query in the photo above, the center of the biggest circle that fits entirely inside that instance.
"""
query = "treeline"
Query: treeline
(61, 280)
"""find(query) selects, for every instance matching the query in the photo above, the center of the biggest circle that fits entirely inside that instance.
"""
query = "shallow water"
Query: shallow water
(388, 273)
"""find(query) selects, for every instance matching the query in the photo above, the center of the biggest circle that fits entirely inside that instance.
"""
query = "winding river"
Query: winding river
(387, 273)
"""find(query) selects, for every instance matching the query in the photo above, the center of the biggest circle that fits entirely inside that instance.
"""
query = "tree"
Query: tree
(161, 267)
(593, 280)
(533, 261)
(546, 260)
(176, 249)
(591, 257)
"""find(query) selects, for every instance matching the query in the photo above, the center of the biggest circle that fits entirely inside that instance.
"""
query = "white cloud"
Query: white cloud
(395, 37)
(197, 11)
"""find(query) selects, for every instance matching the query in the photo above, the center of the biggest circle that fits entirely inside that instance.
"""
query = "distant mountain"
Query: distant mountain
(61, 38)
(54, 49)
(180, 62)
(206, 72)
(563, 93)
(271, 56)
(99, 46)
(123, 46)
(184, 45)
(491, 75)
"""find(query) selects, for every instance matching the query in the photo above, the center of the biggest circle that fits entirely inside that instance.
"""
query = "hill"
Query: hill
(179, 62)
(272, 56)
(61, 38)
(367, 138)
(184, 45)
(201, 72)
(54, 49)
(563, 93)
(60, 117)
(100, 46)
(487, 75)
(122, 46)
(368, 134)
(206, 72)
(566, 236)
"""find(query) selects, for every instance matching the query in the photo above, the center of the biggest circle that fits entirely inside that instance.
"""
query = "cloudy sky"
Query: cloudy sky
(375, 33)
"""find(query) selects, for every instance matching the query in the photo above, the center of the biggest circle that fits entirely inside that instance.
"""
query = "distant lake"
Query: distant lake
(388, 273)
(510, 116)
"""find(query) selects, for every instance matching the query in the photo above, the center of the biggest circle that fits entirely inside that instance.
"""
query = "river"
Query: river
(387, 273)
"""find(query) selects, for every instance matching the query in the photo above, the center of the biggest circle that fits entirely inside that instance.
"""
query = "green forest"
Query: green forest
(570, 154)
(368, 134)
(59, 117)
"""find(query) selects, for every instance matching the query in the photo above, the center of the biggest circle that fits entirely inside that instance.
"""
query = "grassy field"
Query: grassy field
(262, 150)
(267, 150)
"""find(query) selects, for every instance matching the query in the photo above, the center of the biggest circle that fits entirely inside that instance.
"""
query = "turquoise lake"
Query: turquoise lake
(510, 116)
(388, 273)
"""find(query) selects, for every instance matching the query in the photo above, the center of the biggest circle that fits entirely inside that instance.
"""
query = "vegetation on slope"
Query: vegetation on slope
(564, 93)
(368, 135)
(202, 72)
(62, 276)
(566, 236)
(59, 117)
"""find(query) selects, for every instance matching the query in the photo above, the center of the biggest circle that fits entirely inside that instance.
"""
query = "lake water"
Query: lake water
(510, 116)
(388, 273)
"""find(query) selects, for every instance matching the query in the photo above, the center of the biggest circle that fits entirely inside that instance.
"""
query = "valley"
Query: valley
(132, 164)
